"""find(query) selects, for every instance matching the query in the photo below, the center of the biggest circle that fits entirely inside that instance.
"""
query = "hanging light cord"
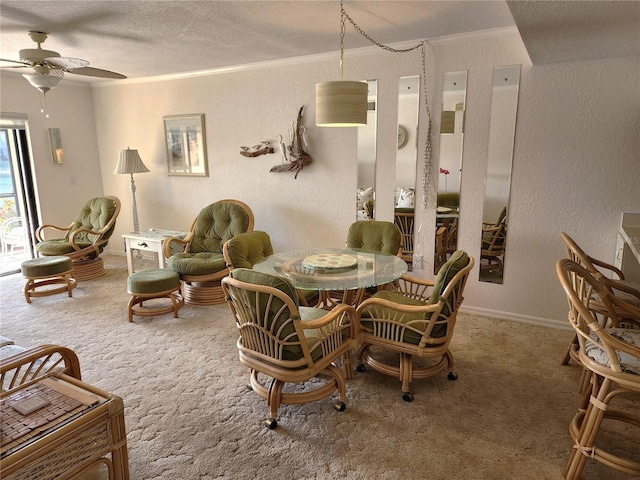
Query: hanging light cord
(427, 184)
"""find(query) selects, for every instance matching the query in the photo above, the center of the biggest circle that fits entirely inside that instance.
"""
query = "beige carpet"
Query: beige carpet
(190, 416)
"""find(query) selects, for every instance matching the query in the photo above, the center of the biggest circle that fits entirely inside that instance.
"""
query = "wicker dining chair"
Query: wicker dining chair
(84, 239)
(625, 294)
(282, 342)
(368, 236)
(200, 261)
(416, 320)
(611, 357)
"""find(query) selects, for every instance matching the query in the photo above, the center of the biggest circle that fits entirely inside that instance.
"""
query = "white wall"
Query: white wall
(62, 188)
(575, 167)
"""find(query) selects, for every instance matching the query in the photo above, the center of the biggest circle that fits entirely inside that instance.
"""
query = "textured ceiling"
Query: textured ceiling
(576, 30)
(148, 38)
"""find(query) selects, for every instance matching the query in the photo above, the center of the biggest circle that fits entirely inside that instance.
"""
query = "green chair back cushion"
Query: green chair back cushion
(246, 249)
(281, 322)
(374, 235)
(95, 215)
(217, 223)
(458, 260)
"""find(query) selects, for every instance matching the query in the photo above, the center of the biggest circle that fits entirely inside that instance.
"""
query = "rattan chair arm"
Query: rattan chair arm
(340, 312)
(398, 307)
(607, 266)
(166, 244)
(613, 343)
(40, 230)
(96, 243)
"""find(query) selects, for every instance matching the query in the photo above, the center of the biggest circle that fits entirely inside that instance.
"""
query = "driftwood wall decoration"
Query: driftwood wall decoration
(257, 150)
(294, 156)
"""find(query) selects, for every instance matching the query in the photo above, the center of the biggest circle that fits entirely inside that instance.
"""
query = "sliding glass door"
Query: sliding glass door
(18, 217)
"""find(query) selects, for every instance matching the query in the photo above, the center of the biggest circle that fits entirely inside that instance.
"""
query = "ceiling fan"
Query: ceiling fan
(49, 67)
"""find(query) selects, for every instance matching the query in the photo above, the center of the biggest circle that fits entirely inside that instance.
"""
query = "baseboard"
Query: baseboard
(516, 317)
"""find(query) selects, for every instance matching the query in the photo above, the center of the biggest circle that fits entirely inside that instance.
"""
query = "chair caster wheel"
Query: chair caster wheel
(452, 376)
(407, 397)
(271, 423)
(341, 406)
(361, 368)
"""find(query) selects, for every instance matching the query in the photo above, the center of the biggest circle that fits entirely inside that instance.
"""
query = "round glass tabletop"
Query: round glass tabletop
(334, 268)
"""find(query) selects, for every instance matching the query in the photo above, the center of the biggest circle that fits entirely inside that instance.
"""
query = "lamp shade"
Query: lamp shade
(341, 104)
(130, 162)
(44, 83)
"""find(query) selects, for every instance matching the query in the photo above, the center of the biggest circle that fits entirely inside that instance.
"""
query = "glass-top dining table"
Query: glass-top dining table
(324, 269)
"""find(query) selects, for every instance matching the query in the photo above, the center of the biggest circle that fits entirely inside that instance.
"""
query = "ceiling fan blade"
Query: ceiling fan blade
(68, 63)
(23, 63)
(95, 72)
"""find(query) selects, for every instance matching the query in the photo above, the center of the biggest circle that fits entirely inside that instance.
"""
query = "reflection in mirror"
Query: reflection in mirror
(454, 97)
(502, 127)
(406, 161)
(365, 208)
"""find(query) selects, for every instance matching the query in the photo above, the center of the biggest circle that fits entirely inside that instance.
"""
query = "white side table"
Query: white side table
(150, 241)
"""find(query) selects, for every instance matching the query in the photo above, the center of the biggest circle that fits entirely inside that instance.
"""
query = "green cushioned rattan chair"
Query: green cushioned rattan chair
(416, 320)
(369, 236)
(282, 342)
(85, 238)
(201, 262)
(246, 249)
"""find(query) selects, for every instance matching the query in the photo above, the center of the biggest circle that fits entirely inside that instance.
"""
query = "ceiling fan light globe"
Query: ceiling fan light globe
(44, 83)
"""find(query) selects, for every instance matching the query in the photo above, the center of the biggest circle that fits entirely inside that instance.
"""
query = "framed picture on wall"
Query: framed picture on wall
(186, 145)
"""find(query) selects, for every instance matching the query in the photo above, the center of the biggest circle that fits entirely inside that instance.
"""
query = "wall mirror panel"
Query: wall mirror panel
(406, 162)
(365, 206)
(502, 127)
(454, 98)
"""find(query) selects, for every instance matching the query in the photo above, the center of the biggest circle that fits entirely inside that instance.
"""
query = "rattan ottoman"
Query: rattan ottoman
(153, 284)
(43, 271)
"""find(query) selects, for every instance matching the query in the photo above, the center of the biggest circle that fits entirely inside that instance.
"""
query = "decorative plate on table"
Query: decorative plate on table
(443, 210)
(330, 262)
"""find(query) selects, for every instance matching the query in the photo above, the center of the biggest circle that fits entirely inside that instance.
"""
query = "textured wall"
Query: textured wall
(575, 164)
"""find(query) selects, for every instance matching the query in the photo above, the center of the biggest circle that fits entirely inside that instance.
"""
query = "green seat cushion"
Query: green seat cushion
(374, 235)
(46, 266)
(153, 281)
(246, 249)
(203, 263)
(60, 246)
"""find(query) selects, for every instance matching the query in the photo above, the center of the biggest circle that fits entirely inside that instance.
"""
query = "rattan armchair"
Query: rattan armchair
(201, 262)
(625, 295)
(33, 363)
(611, 359)
(494, 239)
(405, 220)
(85, 238)
(282, 342)
(416, 320)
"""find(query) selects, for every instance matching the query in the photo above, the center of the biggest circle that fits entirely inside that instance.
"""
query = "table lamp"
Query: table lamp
(130, 163)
